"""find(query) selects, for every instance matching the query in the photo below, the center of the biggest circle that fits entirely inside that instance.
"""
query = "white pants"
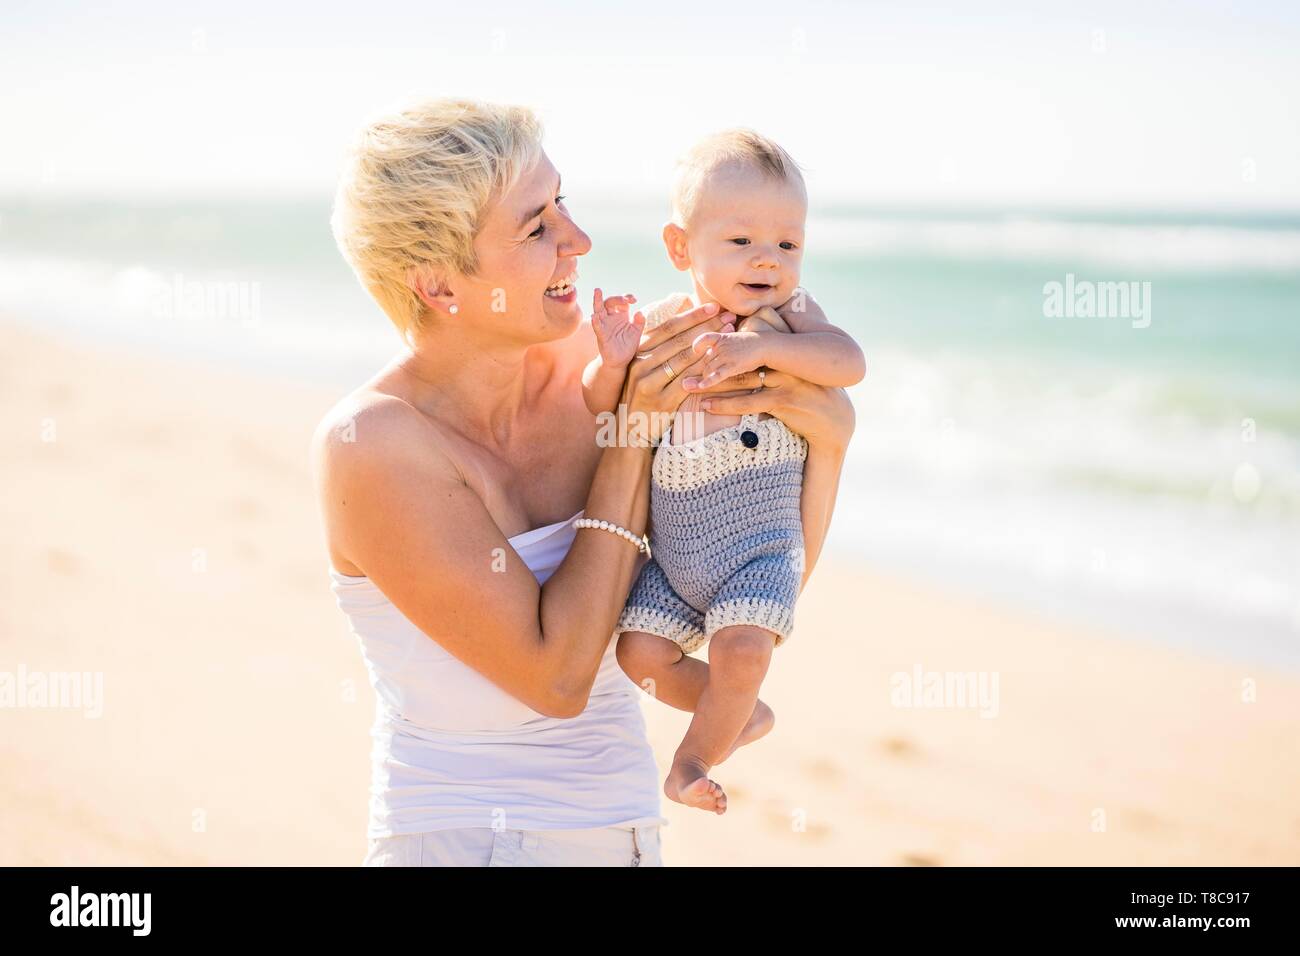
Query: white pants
(484, 846)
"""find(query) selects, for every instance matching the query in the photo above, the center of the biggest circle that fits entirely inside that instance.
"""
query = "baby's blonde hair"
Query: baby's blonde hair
(737, 146)
(414, 189)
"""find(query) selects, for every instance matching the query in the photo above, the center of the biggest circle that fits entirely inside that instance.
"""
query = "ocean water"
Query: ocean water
(1137, 468)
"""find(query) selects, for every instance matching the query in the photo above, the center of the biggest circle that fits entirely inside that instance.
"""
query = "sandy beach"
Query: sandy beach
(160, 530)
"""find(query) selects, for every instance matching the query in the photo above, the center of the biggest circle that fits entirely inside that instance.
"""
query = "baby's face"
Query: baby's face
(745, 240)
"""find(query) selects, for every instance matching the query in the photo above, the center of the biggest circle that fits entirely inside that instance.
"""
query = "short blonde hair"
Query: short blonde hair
(414, 189)
(737, 146)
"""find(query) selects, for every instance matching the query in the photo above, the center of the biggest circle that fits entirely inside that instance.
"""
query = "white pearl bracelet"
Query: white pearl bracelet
(641, 541)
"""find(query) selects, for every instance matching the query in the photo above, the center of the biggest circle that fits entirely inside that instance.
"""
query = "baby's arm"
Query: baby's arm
(819, 352)
(768, 315)
(617, 338)
(602, 384)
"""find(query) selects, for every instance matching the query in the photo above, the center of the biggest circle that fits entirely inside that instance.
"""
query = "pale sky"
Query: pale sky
(1181, 103)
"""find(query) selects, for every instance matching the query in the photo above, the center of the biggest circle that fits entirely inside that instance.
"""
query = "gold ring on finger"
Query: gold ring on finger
(669, 369)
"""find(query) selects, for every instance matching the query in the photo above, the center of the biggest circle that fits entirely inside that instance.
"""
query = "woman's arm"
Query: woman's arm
(397, 507)
(821, 486)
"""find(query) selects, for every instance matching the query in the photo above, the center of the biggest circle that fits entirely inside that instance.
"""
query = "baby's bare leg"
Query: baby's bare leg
(658, 667)
(739, 657)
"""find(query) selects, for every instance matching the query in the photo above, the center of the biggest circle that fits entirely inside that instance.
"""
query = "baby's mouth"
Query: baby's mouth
(758, 286)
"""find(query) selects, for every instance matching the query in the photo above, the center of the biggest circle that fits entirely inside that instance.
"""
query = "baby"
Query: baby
(725, 531)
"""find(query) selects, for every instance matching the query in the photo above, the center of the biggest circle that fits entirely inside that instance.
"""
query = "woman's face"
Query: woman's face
(527, 245)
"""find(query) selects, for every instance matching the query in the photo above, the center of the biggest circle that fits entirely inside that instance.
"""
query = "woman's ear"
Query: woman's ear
(432, 291)
(675, 243)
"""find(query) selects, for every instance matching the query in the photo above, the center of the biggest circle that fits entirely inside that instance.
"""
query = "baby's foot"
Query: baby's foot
(688, 783)
(761, 722)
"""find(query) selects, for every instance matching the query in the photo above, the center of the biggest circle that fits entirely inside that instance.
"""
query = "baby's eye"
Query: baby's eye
(788, 245)
(741, 241)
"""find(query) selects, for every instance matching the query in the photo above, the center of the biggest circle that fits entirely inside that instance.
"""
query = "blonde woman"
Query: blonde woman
(506, 733)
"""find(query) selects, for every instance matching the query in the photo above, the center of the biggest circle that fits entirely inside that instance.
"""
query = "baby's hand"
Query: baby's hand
(730, 353)
(765, 314)
(617, 336)
(801, 310)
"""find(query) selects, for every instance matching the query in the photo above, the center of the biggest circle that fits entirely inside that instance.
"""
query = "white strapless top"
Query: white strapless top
(451, 749)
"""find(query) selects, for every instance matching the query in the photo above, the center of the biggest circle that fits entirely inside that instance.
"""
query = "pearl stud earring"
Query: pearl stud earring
(453, 308)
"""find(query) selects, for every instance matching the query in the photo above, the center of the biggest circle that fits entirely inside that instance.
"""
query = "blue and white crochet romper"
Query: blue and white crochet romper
(725, 530)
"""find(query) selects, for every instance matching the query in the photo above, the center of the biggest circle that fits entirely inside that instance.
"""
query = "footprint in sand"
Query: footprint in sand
(824, 770)
(780, 817)
(899, 747)
(247, 508)
(60, 395)
(246, 550)
(62, 562)
(1141, 820)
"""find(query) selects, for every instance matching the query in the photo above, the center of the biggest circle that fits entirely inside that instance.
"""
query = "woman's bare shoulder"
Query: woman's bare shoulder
(373, 454)
(372, 429)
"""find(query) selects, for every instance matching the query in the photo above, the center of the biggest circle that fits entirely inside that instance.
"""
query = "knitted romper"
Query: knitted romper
(725, 530)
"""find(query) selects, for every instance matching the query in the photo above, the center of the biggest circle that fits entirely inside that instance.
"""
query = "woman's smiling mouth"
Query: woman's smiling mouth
(566, 290)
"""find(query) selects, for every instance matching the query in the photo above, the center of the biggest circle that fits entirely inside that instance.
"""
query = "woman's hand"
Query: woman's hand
(653, 387)
(822, 415)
